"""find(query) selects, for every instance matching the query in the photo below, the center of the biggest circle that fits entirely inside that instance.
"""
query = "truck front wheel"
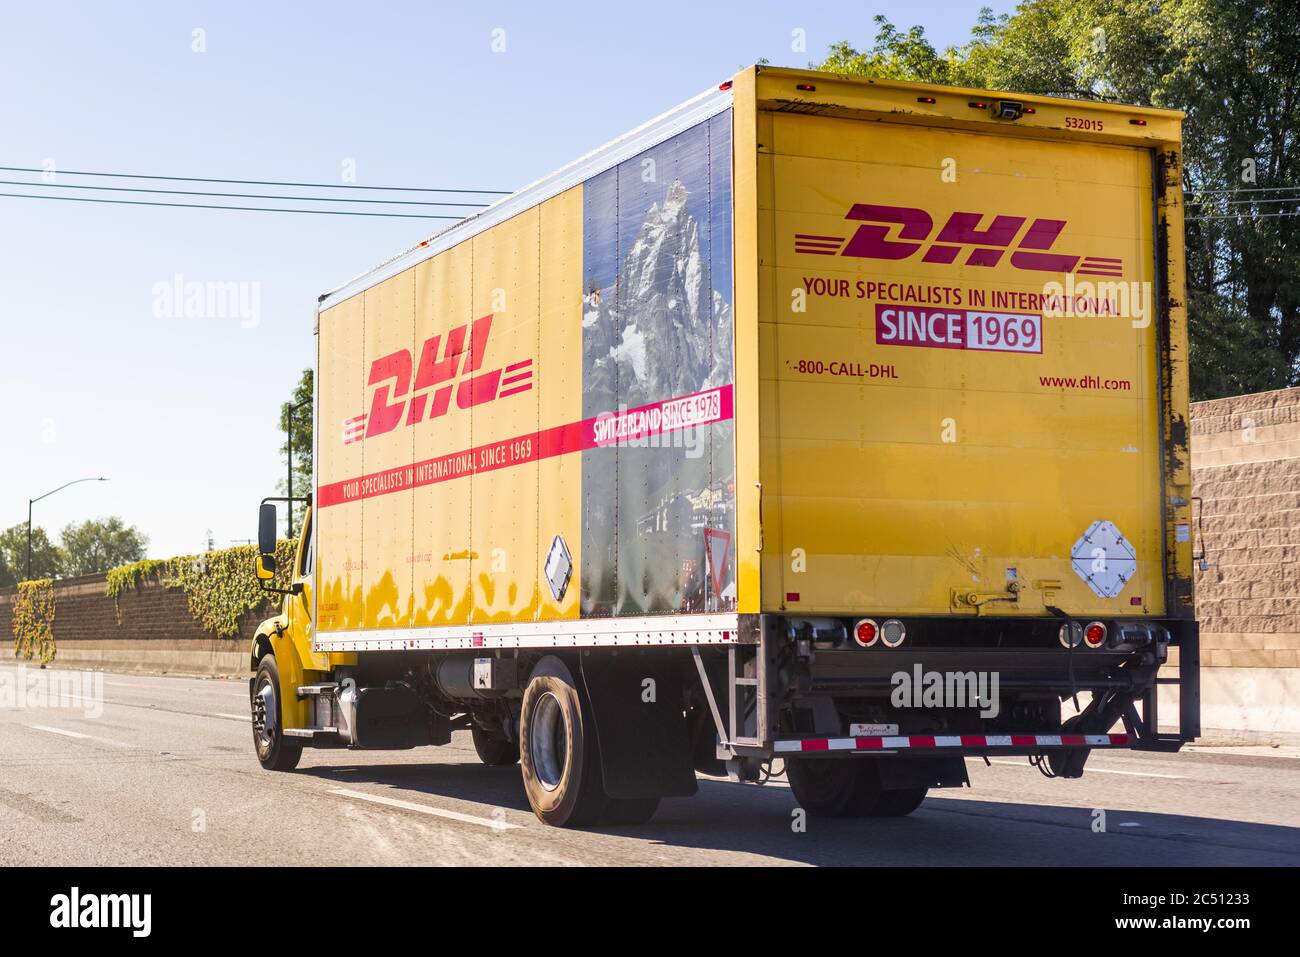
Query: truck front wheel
(273, 751)
(558, 753)
(849, 787)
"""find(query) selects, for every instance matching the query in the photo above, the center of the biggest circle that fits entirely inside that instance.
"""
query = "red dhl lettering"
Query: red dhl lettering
(900, 232)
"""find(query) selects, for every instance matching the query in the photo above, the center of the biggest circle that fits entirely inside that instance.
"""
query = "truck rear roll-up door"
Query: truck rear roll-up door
(959, 372)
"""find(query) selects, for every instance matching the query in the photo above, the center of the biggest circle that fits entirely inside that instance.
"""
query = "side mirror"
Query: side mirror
(267, 524)
(265, 566)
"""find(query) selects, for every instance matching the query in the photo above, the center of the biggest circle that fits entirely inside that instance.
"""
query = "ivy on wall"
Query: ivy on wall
(126, 577)
(219, 586)
(33, 620)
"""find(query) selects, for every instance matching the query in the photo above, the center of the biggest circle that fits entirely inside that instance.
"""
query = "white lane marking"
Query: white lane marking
(232, 717)
(496, 825)
(1091, 770)
(78, 734)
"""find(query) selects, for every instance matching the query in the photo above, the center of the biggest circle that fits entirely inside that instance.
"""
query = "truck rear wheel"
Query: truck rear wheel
(558, 753)
(494, 750)
(829, 787)
(273, 751)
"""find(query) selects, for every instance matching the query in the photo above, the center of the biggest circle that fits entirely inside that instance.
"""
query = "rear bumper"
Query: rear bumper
(795, 694)
(975, 744)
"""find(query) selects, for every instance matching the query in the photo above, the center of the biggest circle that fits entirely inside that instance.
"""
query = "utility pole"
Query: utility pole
(291, 409)
(32, 501)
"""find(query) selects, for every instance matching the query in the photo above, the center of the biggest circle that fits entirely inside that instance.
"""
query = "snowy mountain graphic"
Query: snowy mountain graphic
(657, 325)
(660, 330)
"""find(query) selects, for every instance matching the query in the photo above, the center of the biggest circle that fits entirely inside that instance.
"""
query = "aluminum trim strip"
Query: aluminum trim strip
(712, 629)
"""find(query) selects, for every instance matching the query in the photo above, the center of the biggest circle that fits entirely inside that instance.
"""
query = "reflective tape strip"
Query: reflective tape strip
(924, 742)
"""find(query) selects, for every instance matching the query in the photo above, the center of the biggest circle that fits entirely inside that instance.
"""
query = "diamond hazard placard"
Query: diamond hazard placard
(1104, 559)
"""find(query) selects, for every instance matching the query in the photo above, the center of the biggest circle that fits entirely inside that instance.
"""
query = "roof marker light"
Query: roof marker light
(925, 99)
(1138, 122)
(806, 87)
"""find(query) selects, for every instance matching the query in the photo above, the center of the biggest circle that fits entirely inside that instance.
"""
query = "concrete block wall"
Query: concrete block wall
(1246, 471)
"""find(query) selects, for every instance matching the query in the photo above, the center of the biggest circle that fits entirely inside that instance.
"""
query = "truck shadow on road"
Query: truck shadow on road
(732, 823)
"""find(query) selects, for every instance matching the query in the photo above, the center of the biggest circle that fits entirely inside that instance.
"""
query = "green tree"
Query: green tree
(47, 562)
(96, 545)
(301, 401)
(1234, 67)
(895, 55)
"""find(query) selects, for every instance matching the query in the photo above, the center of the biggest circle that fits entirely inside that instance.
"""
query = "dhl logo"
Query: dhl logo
(913, 229)
(429, 396)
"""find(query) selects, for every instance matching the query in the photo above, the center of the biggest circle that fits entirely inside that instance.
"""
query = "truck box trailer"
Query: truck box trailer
(824, 422)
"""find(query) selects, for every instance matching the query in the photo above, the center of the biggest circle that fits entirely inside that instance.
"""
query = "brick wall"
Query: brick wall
(156, 632)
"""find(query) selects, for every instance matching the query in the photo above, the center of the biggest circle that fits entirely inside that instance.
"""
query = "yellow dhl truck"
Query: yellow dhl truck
(832, 422)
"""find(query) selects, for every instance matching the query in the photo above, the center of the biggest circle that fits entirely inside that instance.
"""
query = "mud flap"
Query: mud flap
(1068, 764)
(636, 704)
(898, 773)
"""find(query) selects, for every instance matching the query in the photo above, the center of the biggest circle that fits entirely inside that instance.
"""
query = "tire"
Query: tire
(631, 810)
(848, 787)
(494, 750)
(558, 753)
(274, 752)
(899, 803)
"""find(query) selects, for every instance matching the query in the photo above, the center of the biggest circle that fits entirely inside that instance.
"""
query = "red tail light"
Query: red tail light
(1095, 635)
(866, 633)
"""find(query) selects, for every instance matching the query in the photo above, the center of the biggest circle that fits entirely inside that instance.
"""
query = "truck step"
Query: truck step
(320, 688)
(316, 737)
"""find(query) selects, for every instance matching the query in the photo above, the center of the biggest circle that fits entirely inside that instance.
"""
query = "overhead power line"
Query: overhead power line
(1220, 203)
(254, 209)
(190, 192)
(1243, 213)
(256, 182)
(1248, 189)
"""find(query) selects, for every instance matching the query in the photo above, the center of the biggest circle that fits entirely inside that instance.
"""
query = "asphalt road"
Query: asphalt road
(166, 775)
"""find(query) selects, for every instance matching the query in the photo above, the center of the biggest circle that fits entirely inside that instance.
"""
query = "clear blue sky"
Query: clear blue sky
(181, 413)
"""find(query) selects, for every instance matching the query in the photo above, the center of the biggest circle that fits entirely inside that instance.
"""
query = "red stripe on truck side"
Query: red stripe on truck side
(671, 415)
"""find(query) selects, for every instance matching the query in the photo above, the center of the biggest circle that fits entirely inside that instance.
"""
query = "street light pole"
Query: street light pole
(289, 446)
(32, 501)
